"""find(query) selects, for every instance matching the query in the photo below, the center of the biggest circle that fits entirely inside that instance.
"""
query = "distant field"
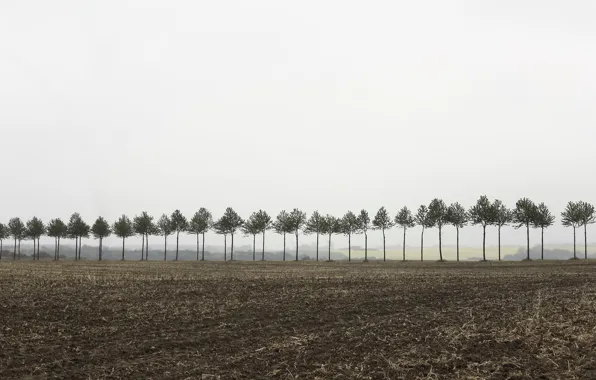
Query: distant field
(432, 253)
(450, 253)
(306, 320)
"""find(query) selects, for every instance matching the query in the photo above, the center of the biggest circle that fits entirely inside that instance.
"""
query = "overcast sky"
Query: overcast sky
(111, 107)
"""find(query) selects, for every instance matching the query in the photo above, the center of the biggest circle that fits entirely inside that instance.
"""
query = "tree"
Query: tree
(437, 212)
(234, 223)
(363, 227)
(572, 217)
(58, 230)
(296, 221)
(101, 229)
(78, 229)
(331, 225)
(503, 216)
(220, 228)
(35, 229)
(83, 231)
(423, 220)
(251, 228)
(229, 223)
(482, 213)
(404, 219)
(349, 226)
(314, 225)
(123, 228)
(17, 231)
(263, 223)
(458, 217)
(4, 234)
(180, 224)
(525, 214)
(166, 227)
(382, 221)
(200, 223)
(143, 225)
(544, 219)
(588, 216)
(282, 226)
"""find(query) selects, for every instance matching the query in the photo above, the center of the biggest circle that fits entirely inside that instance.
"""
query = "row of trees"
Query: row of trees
(437, 214)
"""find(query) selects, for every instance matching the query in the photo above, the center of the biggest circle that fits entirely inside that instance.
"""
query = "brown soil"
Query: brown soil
(240, 320)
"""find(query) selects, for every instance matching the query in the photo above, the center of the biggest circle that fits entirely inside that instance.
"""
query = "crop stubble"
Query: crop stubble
(297, 320)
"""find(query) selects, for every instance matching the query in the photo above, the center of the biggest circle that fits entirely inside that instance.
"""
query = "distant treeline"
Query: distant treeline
(486, 213)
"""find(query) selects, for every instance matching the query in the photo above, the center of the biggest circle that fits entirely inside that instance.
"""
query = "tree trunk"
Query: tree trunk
(143, 248)
(441, 243)
(365, 246)
(349, 247)
(499, 241)
(528, 239)
(317, 246)
(203, 248)
(225, 247)
(404, 246)
(80, 246)
(585, 241)
(147, 247)
(542, 244)
(19, 249)
(457, 241)
(177, 244)
(197, 247)
(384, 251)
(100, 249)
(14, 253)
(123, 239)
(254, 247)
(422, 245)
(296, 245)
(574, 250)
(38, 239)
(165, 248)
(329, 258)
(483, 243)
(263, 252)
(58, 253)
(232, 249)
(76, 248)
(33, 249)
(284, 247)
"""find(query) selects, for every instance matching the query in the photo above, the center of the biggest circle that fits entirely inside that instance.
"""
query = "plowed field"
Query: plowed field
(238, 320)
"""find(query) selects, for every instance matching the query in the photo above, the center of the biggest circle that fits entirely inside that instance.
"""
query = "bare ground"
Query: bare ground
(238, 320)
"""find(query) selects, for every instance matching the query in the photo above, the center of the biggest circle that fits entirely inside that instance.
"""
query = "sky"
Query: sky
(117, 107)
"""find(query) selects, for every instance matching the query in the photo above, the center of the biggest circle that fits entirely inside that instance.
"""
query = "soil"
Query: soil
(244, 320)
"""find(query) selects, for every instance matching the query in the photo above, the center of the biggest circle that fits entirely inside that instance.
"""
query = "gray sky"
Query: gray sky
(111, 107)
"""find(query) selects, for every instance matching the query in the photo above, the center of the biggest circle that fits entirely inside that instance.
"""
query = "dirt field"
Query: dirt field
(297, 321)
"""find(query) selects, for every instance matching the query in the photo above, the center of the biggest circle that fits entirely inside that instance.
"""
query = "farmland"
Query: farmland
(242, 320)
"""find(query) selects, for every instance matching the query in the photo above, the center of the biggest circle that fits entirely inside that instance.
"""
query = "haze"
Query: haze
(112, 107)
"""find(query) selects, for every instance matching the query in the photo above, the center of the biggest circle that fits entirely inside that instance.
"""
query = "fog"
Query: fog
(112, 107)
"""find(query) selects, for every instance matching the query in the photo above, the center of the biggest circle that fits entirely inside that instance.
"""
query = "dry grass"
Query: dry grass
(298, 321)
